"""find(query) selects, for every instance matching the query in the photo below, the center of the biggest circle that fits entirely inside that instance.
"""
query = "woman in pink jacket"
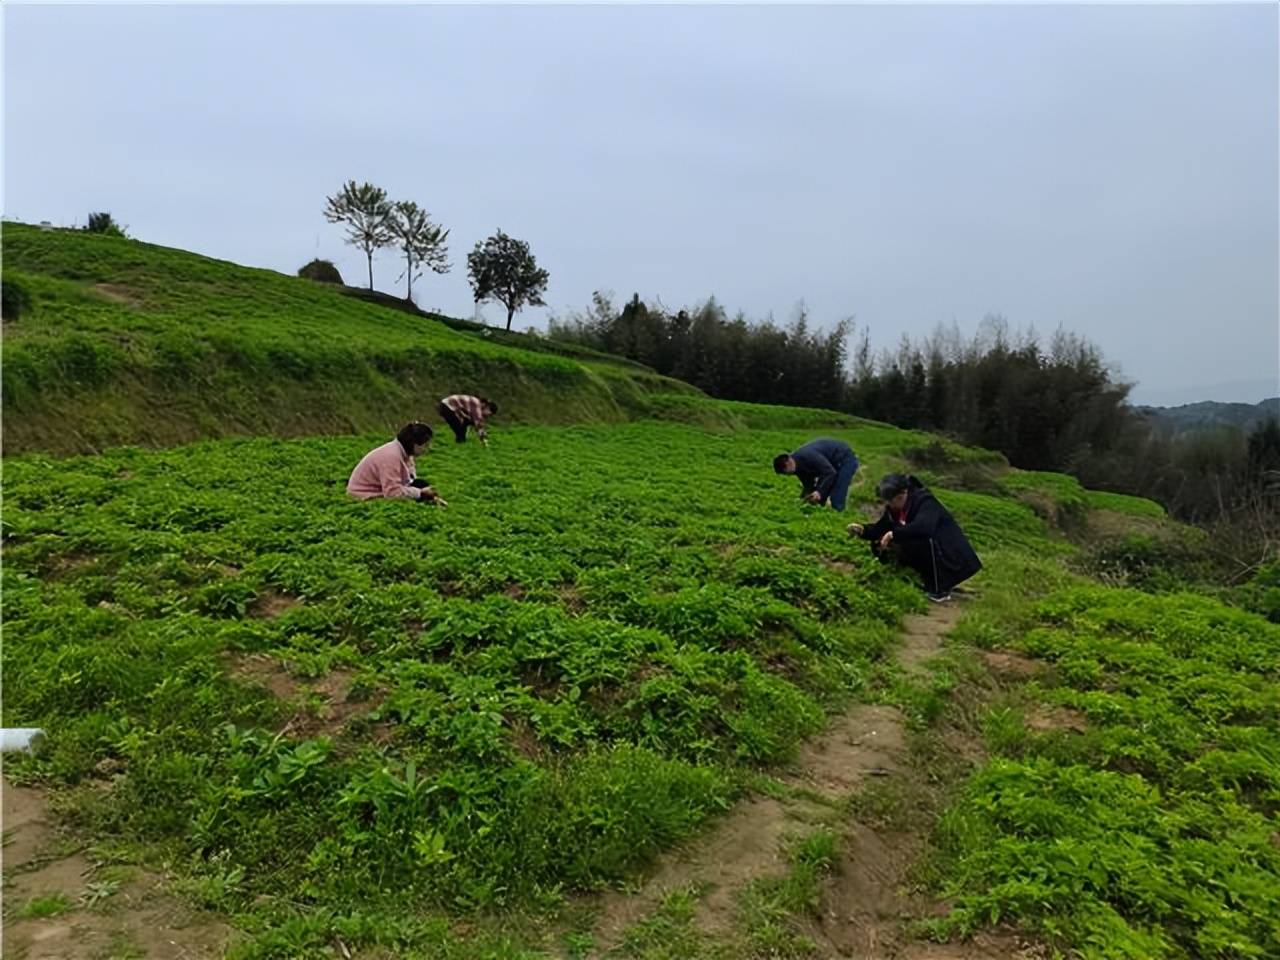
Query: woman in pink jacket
(389, 470)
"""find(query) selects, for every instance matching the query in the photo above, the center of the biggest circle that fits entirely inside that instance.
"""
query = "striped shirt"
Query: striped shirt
(468, 409)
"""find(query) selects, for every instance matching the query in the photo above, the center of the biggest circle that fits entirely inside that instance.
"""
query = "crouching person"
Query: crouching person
(918, 531)
(390, 470)
(461, 410)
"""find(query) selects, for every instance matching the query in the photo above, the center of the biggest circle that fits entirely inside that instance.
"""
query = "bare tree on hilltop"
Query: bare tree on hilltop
(421, 241)
(503, 269)
(366, 212)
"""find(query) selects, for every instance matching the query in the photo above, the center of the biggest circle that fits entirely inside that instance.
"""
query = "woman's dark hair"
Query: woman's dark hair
(412, 434)
(493, 407)
(780, 462)
(891, 485)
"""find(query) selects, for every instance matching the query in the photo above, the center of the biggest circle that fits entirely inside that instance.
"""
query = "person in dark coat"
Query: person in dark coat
(825, 468)
(917, 531)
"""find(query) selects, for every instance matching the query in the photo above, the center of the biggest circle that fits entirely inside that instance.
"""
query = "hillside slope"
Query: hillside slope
(130, 343)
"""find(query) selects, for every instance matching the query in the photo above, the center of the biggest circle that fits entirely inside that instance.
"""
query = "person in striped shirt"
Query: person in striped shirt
(461, 410)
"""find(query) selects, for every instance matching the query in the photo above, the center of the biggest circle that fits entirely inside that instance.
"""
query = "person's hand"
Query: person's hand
(814, 497)
(886, 540)
(855, 529)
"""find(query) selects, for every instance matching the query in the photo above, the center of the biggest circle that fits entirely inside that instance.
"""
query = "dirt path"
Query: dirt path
(95, 913)
(862, 908)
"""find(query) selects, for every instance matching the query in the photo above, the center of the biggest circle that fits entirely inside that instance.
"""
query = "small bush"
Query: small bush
(1261, 593)
(105, 224)
(322, 271)
(1146, 562)
(14, 299)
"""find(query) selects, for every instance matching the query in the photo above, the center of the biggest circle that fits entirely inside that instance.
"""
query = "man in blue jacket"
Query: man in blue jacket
(825, 468)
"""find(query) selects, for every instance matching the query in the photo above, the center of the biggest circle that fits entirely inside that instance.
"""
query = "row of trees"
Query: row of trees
(500, 268)
(1048, 407)
(731, 358)
(1045, 406)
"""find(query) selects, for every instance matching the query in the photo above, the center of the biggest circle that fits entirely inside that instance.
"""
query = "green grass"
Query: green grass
(1123, 503)
(1153, 832)
(606, 637)
(570, 669)
(772, 908)
(669, 933)
(128, 342)
(45, 905)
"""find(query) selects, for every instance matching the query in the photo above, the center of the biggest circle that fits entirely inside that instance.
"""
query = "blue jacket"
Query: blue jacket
(818, 462)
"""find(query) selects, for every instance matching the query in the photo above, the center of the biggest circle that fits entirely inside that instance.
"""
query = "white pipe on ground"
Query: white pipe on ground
(30, 739)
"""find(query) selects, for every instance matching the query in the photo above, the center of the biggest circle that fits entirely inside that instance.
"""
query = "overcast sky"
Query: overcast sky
(1112, 169)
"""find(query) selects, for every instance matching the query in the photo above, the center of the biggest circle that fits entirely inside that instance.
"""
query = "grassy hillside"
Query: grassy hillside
(384, 729)
(127, 342)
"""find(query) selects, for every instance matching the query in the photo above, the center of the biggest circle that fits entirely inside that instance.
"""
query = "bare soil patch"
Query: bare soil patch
(742, 846)
(922, 636)
(335, 690)
(572, 599)
(1045, 719)
(117, 294)
(269, 605)
(1004, 663)
(139, 918)
(867, 741)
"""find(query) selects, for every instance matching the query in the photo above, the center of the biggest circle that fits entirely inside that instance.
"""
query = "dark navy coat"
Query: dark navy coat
(818, 462)
(928, 520)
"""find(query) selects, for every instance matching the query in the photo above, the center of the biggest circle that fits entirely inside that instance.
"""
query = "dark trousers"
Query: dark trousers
(454, 421)
(922, 557)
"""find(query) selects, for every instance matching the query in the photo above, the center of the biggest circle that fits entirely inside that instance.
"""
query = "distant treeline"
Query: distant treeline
(1055, 406)
(733, 359)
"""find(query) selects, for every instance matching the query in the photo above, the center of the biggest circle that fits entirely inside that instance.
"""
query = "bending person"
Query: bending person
(917, 531)
(390, 470)
(461, 410)
(825, 468)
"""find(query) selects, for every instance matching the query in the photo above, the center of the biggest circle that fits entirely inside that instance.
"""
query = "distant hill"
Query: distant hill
(1211, 415)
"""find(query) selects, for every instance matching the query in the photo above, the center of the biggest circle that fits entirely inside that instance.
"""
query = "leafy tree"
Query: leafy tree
(321, 270)
(104, 223)
(503, 269)
(420, 240)
(367, 213)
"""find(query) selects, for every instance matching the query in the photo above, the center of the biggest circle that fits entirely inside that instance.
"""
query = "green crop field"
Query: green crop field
(380, 729)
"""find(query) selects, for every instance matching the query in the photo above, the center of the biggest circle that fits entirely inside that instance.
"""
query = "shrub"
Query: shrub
(105, 224)
(321, 270)
(14, 299)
